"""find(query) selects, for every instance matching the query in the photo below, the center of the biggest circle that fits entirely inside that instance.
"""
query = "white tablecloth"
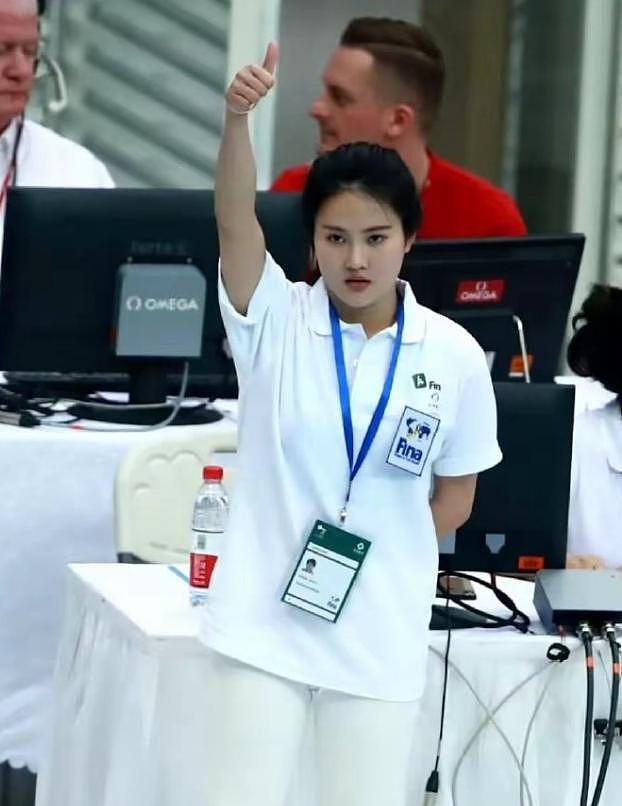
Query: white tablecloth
(589, 394)
(56, 507)
(131, 726)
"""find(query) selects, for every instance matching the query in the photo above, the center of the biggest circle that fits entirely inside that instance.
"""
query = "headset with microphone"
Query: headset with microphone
(60, 101)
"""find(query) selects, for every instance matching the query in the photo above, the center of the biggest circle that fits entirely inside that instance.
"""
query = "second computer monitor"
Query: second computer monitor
(495, 287)
(519, 521)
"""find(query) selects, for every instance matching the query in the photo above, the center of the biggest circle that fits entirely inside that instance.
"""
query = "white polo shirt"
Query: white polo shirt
(596, 485)
(47, 159)
(293, 469)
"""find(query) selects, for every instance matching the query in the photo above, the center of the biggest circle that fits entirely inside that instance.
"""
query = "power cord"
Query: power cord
(585, 634)
(432, 784)
(557, 652)
(553, 654)
(610, 634)
(18, 410)
(490, 719)
(519, 620)
(133, 429)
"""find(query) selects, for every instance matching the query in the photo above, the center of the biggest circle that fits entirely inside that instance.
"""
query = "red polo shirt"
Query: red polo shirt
(455, 202)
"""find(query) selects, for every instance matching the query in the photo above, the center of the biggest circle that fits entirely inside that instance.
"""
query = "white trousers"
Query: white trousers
(361, 746)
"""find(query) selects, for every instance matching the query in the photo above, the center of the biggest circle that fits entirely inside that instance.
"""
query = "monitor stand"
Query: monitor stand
(147, 388)
(123, 415)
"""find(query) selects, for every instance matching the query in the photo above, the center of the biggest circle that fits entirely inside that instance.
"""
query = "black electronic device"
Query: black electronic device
(512, 294)
(519, 522)
(63, 249)
(566, 598)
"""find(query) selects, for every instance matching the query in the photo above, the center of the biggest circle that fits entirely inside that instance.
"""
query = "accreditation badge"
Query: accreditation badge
(326, 571)
(413, 441)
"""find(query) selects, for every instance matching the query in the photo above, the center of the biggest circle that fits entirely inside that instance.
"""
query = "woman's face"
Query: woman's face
(359, 245)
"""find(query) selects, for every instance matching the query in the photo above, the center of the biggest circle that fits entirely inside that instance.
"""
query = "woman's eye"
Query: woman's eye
(376, 239)
(334, 237)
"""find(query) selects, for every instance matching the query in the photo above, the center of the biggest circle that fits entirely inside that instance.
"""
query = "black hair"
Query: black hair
(594, 350)
(41, 7)
(372, 169)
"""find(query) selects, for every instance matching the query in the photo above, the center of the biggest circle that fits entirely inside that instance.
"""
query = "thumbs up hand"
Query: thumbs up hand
(252, 83)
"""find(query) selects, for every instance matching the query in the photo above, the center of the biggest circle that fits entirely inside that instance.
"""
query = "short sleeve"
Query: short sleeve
(264, 322)
(104, 180)
(471, 445)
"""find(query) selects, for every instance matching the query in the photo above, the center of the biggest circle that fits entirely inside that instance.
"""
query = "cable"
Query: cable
(169, 419)
(610, 635)
(24, 418)
(530, 725)
(432, 784)
(585, 634)
(605, 670)
(489, 719)
(519, 620)
(556, 652)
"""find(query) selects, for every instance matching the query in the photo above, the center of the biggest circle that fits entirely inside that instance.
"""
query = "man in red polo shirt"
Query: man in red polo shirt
(384, 84)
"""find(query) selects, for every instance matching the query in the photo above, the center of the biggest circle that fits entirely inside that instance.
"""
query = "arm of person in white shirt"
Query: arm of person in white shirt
(452, 502)
(242, 243)
(585, 561)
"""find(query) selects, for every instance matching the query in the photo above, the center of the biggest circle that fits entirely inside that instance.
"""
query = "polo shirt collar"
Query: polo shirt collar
(612, 434)
(7, 141)
(414, 316)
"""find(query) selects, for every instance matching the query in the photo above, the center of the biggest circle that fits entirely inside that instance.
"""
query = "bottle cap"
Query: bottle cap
(212, 473)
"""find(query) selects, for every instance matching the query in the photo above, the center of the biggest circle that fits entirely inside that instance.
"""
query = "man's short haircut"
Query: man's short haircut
(407, 55)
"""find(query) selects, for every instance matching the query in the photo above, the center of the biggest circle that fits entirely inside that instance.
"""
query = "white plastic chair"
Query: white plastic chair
(155, 488)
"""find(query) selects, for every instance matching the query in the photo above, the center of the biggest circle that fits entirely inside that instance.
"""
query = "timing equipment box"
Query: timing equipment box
(565, 598)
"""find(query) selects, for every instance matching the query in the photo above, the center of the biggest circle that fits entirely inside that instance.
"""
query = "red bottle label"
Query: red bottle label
(201, 569)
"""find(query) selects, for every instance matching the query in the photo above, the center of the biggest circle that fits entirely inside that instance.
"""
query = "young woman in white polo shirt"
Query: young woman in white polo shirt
(364, 419)
(594, 536)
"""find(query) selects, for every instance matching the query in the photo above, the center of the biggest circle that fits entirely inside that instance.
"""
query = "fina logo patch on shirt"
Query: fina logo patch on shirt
(413, 441)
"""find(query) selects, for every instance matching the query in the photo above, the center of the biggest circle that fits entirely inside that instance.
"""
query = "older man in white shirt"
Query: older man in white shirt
(31, 154)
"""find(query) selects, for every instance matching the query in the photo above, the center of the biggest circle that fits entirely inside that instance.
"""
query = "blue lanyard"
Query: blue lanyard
(344, 396)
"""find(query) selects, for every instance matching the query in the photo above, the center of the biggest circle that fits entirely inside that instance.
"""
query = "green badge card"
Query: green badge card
(326, 570)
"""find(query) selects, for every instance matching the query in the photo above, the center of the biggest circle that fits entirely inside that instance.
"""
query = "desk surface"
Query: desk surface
(131, 684)
(56, 494)
(152, 600)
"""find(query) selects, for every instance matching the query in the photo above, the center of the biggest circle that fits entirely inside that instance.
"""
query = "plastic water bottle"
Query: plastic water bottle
(209, 521)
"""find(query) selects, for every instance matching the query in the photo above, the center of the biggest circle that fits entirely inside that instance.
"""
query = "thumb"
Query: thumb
(271, 57)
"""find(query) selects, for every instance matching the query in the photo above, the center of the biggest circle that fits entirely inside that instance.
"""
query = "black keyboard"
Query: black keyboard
(79, 384)
(50, 383)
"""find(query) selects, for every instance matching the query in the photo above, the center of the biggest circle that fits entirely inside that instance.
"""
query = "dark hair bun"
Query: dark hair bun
(595, 350)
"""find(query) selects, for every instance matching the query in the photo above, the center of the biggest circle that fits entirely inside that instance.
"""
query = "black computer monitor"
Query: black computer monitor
(494, 286)
(61, 258)
(519, 521)
(63, 249)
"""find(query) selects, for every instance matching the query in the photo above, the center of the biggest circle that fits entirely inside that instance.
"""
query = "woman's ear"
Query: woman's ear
(409, 243)
(313, 270)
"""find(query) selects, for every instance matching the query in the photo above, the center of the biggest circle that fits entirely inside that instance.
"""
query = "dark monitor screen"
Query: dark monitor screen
(62, 251)
(519, 520)
(484, 284)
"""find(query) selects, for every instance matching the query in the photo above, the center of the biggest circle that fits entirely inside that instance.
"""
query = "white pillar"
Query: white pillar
(593, 158)
(253, 24)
